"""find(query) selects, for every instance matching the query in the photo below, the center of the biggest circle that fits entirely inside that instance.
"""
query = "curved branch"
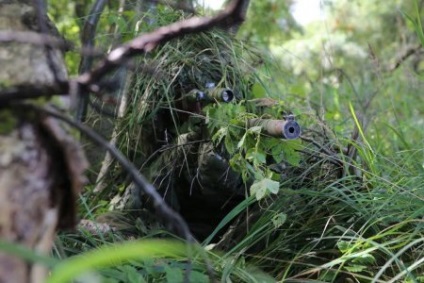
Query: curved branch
(147, 42)
(140, 45)
(171, 218)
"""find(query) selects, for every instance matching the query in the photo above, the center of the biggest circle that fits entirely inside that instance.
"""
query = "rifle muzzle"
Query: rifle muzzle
(286, 129)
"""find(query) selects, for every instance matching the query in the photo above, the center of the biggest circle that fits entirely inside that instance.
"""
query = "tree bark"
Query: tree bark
(41, 167)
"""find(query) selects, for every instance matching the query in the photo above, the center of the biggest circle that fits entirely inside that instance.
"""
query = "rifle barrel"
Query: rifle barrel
(286, 129)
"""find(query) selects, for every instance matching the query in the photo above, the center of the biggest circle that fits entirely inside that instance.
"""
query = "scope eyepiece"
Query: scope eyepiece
(227, 95)
(220, 94)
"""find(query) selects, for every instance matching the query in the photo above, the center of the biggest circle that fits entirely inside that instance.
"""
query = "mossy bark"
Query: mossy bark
(36, 176)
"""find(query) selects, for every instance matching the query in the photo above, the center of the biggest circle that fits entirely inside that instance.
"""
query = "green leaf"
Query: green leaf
(133, 276)
(277, 152)
(237, 162)
(256, 157)
(115, 254)
(279, 219)
(230, 144)
(241, 142)
(173, 274)
(258, 91)
(196, 276)
(418, 26)
(255, 129)
(344, 246)
(261, 188)
(364, 259)
(219, 135)
(258, 190)
(355, 268)
(272, 186)
(291, 155)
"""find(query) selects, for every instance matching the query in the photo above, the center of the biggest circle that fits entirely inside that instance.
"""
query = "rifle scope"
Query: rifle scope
(210, 96)
(220, 94)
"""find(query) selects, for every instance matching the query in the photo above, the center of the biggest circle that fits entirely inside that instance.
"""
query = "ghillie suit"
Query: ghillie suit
(296, 201)
(197, 127)
(165, 129)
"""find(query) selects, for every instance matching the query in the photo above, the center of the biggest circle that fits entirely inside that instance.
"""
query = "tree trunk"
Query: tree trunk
(40, 165)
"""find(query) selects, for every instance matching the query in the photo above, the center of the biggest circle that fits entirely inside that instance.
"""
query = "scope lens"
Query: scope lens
(227, 95)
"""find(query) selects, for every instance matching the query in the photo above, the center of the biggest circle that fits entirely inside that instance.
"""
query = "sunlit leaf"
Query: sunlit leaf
(261, 188)
(258, 91)
(279, 219)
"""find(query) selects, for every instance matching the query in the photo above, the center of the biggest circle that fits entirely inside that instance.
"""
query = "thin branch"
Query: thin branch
(32, 91)
(87, 40)
(242, 14)
(321, 148)
(147, 42)
(171, 218)
(140, 45)
(411, 50)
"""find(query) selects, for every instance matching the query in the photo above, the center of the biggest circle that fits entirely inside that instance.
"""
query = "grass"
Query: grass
(362, 226)
(358, 221)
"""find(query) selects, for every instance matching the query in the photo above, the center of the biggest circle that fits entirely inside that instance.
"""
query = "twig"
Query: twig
(140, 45)
(170, 217)
(122, 92)
(242, 14)
(87, 40)
(321, 148)
(411, 50)
(108, 159)
(32, 91)
(147, 42)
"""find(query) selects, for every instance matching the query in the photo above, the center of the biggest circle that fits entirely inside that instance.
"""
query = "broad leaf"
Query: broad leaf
(262, 188)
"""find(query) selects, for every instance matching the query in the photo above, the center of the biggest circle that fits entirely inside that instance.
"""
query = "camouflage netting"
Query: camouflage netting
(157, 110)
(168, 136)
(164, 133)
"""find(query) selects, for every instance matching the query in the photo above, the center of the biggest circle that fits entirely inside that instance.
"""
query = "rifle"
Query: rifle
(211, 95)
(286, 129)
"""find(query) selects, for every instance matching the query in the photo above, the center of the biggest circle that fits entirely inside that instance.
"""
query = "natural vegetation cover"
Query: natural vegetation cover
(280, 152)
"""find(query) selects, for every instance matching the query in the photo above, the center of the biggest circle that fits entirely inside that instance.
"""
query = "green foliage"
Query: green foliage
(364, 225)
(117, 254)
(416, 21)
(270, 22)
(262, 188)
(69, 26)
(248, 147)
(25, 253)
(356, 256)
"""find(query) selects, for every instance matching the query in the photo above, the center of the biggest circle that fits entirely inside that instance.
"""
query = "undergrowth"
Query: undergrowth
(334, 217)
